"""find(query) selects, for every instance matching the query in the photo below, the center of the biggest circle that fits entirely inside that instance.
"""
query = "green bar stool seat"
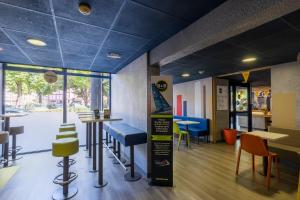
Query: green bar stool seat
(4, 139)
(66, 134)
(67, 128)
(67, 124)
(65, 147)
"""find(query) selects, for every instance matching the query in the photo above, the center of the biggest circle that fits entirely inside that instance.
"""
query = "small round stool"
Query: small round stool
(67, 128)
(67, 124)
(4, 139)
(14, 131)
(64, 148)
(67, 134)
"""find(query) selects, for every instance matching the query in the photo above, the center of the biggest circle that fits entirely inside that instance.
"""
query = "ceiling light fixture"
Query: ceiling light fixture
(84, 8)
(185, 75)
(201, 71)
(250, 59)
(37, 42)
(114, 56)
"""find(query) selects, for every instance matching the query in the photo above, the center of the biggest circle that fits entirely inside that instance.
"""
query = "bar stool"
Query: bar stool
(4, 139)
(14, 131)
(67, 134)
(67, 128)
(64, 148)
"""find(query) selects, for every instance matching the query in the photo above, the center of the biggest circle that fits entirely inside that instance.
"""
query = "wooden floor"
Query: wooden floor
(204, 172)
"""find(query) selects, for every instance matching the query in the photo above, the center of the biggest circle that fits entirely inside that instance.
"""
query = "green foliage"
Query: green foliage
(80, 86)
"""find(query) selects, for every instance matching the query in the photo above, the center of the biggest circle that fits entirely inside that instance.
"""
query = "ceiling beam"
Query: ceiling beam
(229, 19)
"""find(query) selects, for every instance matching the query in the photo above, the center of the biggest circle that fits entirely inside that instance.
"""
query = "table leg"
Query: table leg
(87, 138)
(101, 182)
(186, 138)
(94, 148)
(90, 139)
(6, 146)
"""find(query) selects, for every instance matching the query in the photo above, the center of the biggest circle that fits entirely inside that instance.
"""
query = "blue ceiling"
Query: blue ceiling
(127, 27)
(271, 43)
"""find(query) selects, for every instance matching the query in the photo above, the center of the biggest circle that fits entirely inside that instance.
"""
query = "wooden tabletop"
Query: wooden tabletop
(8, 115)
(176, 120)
(268, 135)
(101, 119)
(285, 147)
(187, 122)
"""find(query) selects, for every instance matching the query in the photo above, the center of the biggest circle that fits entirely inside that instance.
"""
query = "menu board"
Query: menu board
(161, 131)
(222, 97)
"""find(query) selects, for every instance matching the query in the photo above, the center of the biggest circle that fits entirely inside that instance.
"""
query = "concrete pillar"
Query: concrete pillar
(96, 93)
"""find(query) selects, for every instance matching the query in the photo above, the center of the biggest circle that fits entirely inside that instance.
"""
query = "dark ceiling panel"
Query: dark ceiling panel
(21, 39)
(37, 5)
(189, 10)
(78, 48)
(103, 11)
(78, 66)
(26, 21)
(11, 52)
(77, 58)
(124, 42)
(80, 32)
(272, 43)
(133, 17)
(42, 54)
(4, 39)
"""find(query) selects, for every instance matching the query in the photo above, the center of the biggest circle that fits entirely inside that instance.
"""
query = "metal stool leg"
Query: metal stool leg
(132, 175)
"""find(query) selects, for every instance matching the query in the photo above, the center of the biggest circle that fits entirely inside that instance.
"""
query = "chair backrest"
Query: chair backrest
(176, 129)
(254, 145)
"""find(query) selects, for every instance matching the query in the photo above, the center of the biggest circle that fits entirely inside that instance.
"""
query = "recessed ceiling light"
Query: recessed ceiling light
(84, 8)
(201, 71)
(250, 59)
(185, 75)
(114, 55)
(37, 42)
(1, 49)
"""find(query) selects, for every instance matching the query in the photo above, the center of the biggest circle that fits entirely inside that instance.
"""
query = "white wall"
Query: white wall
(192, 92)
(129, 101)
(285, 87)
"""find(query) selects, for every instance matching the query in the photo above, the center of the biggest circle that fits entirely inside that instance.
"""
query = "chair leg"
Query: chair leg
(179, 140)
(188, 140)
(253, 163)
(269, 171)
(238, 161)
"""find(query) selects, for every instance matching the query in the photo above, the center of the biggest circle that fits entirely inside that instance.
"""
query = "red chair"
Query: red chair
(257, 147)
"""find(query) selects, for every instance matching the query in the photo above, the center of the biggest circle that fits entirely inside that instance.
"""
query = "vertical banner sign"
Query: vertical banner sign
(162, 130)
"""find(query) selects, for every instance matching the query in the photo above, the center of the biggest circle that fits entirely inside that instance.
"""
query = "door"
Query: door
(240, 107)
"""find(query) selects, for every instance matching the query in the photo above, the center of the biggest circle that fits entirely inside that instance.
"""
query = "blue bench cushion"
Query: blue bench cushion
(125, 134)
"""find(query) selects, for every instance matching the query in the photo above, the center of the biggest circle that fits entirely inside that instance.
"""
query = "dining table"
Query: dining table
(93, 121)
(267, 137)
(7, 118)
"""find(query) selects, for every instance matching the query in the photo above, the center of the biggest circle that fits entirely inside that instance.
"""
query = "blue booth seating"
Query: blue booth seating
(128, 136)
(196, 130)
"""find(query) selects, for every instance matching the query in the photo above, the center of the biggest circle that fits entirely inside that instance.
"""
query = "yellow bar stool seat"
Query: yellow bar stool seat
(67, 128)
(67, 124)
(65, 147)
(67, 134)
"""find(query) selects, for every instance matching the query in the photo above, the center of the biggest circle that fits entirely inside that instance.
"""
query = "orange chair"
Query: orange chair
(257, 147)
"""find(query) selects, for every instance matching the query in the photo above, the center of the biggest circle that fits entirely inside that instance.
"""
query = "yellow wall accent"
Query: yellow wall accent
(284, 110)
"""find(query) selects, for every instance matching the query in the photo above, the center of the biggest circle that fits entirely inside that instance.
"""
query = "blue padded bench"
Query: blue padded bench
(128, 136)
(196, 130)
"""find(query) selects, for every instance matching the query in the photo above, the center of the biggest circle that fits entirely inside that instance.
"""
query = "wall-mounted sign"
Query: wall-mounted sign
(50, 76)
(161, 131)
(222, 97)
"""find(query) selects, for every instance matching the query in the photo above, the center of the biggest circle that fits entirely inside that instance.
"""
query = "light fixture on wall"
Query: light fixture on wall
(201, 72)
(249, 59)
(114, 55)
(36, 42)
(84, 8)
(185, 75)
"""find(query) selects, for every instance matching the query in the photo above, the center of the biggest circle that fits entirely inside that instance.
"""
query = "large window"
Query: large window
(27, 91)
